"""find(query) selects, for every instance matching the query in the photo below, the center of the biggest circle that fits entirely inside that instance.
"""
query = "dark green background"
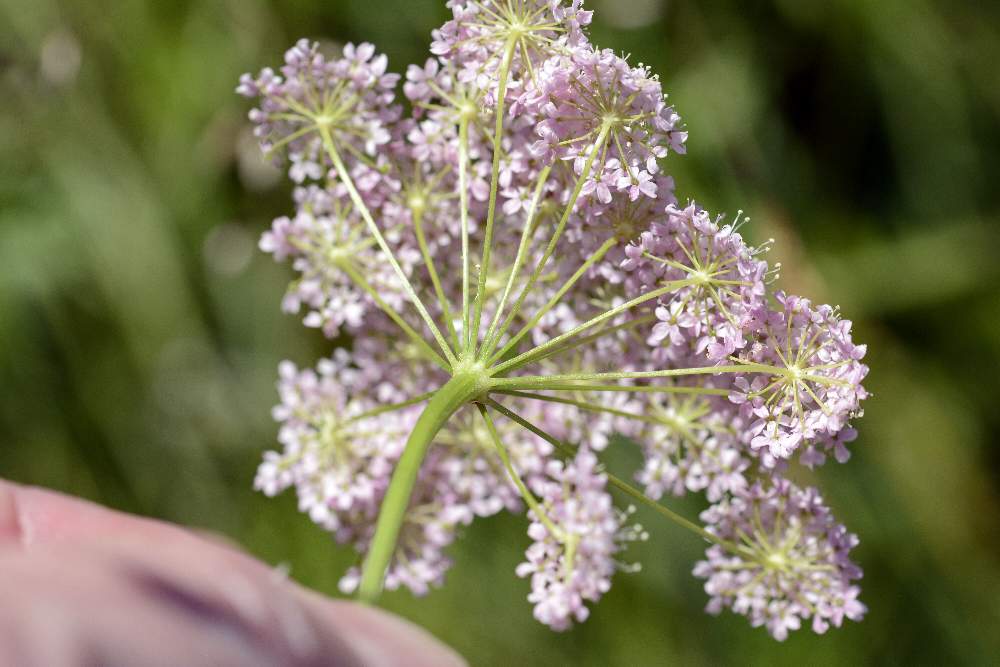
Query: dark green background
(140, 330)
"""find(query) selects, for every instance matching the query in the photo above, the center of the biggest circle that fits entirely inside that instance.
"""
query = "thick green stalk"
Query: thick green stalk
(463, 387)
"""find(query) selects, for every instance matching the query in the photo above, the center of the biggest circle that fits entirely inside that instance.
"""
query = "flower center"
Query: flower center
(777, 560)
(468, 111)
(416, 202)
(611, 120)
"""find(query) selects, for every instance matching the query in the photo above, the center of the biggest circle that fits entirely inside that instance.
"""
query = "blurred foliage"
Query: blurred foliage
(140, 330)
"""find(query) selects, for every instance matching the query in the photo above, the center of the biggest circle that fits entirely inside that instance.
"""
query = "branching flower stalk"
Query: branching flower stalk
(507, 245)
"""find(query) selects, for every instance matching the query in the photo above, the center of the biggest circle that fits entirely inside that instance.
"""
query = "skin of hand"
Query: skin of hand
(84, 585)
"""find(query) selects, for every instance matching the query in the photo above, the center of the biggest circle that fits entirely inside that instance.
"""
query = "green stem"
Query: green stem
(541, 381)
(529, 498)
(418, 229)
(637, 389)
(636, 494)
(463, 193)
(619, 484)
(360, 281)
(484, 269)
(382, 409)
(597, 335)
(556, 235)
(529, 227)
(459, 390)
(366, 215)
(585, 405)
(529, 356)
(557, 297)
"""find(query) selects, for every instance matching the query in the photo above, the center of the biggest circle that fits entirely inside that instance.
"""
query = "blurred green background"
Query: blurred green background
(140, 328)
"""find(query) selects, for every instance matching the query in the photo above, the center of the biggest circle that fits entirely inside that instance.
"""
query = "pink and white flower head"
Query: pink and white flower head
(593, 104)
(515, 290)
(352, 96)
(573, 552)
(719, 278)
(325, 243)
(811, 384)
(482, 31)
(785, 560)
(690, 447)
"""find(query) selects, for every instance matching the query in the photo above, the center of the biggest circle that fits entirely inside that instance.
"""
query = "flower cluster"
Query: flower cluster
(790, 562)
(689, 448)
(575, 538)
(594, 103)
(814, 388)
(352, 96)
(328, 250)
(485, 34)
(718, 284)
(520, 289)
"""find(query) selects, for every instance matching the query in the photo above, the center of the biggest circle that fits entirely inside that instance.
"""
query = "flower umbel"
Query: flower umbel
(784, 559)
(521, 291)
(575, 538)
